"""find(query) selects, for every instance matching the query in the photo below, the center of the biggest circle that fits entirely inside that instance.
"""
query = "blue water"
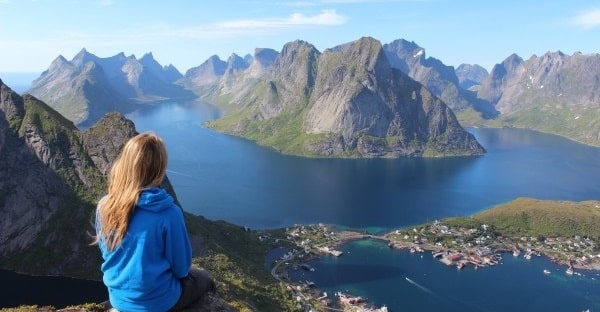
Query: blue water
(372, 270)
(229, 178)
(57, 291)
(224, 177)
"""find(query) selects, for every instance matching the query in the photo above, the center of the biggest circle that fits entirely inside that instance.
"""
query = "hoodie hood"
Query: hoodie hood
(154, 199)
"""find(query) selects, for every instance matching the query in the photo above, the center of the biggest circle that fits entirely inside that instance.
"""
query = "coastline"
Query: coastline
(459, 246)
(481, 255)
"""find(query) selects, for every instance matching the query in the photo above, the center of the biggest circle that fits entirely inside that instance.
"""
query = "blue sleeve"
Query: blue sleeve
(178, 250)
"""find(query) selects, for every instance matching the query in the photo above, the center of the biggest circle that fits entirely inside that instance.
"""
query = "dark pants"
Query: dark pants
(193, 287)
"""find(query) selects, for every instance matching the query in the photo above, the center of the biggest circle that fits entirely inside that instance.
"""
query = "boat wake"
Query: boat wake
(423, 288)
(181, 174)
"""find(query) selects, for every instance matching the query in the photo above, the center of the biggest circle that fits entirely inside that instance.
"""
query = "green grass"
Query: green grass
(533, 218)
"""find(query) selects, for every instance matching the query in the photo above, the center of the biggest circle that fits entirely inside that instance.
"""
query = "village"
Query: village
(481, 246)
(304, 243)
(459, 245)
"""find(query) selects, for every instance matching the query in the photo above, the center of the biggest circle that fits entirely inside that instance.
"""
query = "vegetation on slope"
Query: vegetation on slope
(546, 218)
(234, 256)
(528, 217)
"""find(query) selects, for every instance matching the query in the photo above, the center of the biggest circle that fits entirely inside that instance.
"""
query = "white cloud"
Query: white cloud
(587, 20)
(234, 28)
(325, 18)
(74, 40)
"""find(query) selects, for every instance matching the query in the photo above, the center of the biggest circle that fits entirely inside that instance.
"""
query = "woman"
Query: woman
(142, 235)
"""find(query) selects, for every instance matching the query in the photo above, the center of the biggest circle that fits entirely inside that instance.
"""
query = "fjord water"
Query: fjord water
(224, 177)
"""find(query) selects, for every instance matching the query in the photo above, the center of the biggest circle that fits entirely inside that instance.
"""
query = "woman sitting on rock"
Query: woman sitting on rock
(142, 235)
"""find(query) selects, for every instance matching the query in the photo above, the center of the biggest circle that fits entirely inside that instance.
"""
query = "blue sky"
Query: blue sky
(185, 33)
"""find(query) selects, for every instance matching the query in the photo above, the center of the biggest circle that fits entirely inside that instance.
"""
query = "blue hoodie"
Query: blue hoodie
(142, 274)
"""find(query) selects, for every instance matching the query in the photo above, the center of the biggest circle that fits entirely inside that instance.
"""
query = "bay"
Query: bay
(229, 178)
(404, 281)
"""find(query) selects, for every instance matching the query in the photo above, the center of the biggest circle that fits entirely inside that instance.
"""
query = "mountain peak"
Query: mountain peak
(83, 57)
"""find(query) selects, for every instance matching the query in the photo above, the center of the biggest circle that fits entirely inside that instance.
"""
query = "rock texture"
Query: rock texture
(554, 78)
(207, 73)
(87, 87)
(51, 174)
(470, 76)
(347, 102)
(431, 72)
(555, 93)
(51, 177)
(30, 192)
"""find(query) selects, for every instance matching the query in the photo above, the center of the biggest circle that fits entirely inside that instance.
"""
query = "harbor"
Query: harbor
(460, 247)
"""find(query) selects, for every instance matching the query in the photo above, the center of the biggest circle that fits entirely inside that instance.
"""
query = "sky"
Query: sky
(185, 33)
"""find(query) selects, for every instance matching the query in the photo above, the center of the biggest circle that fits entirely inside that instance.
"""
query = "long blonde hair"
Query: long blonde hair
(142, 163)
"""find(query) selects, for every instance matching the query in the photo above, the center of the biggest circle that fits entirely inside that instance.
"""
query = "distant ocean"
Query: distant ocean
(19, 82)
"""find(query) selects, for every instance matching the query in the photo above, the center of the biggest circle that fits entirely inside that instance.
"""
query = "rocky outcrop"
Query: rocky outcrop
(104, 140)
(346, 102)
(30, 192)
(49, 182)
(554, 93)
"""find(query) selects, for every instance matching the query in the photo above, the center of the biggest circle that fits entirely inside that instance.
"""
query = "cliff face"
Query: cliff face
(346, 102)
(30, 192)
(439, 78)
(51, 174)
(555, 77)
(554, 93)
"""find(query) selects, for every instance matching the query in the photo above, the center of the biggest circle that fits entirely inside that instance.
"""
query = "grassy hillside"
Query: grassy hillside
(234, 257)
(533, 218)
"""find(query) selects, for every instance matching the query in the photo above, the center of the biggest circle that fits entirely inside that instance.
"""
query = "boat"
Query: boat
(569, 271)
(546, 271)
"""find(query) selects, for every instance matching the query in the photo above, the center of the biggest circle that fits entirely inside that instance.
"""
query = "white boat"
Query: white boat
(569, 271)
(546, 271)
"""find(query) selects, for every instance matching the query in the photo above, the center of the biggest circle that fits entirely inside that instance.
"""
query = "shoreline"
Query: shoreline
(305, 243)
(466, 257)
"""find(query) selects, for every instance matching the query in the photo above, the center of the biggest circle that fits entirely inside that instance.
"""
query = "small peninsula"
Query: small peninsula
(564, 231)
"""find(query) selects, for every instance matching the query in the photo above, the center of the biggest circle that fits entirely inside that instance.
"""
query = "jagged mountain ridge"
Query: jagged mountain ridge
(554, 93)
(479, 105)
(345, 102)
(439, 78)
(87, 87)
